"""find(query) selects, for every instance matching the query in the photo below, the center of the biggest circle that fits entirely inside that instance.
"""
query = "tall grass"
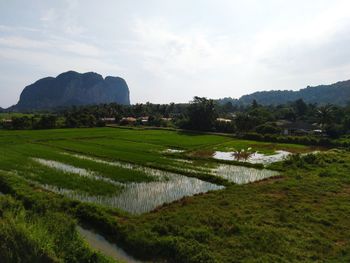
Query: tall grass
(46, 237)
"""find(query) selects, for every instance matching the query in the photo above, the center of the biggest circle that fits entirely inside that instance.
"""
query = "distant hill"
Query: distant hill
(338, 94)
(73, 88)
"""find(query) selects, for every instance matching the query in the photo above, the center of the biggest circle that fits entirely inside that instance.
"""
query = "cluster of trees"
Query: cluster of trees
(333, 120)
(200, 114)
(46, 121)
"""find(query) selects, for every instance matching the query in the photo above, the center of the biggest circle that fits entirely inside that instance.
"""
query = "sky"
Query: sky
(172, 50)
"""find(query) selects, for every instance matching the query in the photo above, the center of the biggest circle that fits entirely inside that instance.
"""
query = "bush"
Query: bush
(226, 127)
(305, 140)
(268, 129)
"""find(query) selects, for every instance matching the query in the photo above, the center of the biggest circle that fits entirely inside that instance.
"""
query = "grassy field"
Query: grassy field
(298, 216)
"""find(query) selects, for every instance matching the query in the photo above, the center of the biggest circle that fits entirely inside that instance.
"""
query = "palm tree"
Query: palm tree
(325, 115)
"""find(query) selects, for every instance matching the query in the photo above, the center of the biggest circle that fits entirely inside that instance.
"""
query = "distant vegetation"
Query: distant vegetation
(337, 94)
(307, 123)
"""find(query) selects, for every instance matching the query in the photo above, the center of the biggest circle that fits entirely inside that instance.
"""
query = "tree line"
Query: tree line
(199, 114)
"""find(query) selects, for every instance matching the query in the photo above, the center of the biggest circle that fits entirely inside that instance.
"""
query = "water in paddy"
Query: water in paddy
(102, 245)
(173, 151)
(253, 157)
(138, 198)
(155, 173)
(74, 170)
(241, 174)
(135, 198)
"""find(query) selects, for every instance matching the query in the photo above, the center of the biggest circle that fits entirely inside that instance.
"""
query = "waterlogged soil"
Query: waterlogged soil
(256, 158)
(173, 151)
(138, 198)
(243, 175)
(66, 168)
(99, 243)
(155, 173)
(135, 198)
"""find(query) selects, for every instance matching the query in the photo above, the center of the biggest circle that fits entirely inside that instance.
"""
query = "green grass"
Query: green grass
(301, 216)
(46, 237)
(15, 161)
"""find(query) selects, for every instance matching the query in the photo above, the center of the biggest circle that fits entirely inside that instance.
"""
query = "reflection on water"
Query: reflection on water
(183, 161)
(252, 157)
(99, 243)
(139, 198)
(135, 198)
(156, 174)
(241, 174)
(173, 151)
(66, 168)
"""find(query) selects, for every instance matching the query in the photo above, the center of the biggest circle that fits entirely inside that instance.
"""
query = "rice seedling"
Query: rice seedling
(252, 157)
(241, 174)
(137, 198)
(75, 170)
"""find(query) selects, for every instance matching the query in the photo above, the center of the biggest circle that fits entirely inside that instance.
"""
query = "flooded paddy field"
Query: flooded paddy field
(252, 157)
(134, 198)
(133, 171)
(149, 188)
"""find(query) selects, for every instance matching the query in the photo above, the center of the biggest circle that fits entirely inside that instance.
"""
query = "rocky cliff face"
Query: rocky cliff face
(73, 88)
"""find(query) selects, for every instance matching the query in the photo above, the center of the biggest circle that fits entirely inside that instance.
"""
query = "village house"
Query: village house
(108, 120)
(223, 120)
(8, 121)
(128, 120)
(297, 128)
(144, 119)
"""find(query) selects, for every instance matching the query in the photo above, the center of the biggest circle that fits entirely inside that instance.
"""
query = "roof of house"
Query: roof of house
(107, 119)
(6, 120)
(297, 125)
(223, 120)
(132, 119)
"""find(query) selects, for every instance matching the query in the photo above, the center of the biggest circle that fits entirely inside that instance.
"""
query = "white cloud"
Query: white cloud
(49, 15)
(172, 51)
(53, 44)
(55, 63)
(188, 52)
(298, 46)
(5, 28)
(63, 19)
(21, 42)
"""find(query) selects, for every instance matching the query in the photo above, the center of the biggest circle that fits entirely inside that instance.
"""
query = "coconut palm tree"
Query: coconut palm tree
(325, 115)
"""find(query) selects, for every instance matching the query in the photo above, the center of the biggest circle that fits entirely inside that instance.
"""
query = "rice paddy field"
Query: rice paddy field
(170, 196)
